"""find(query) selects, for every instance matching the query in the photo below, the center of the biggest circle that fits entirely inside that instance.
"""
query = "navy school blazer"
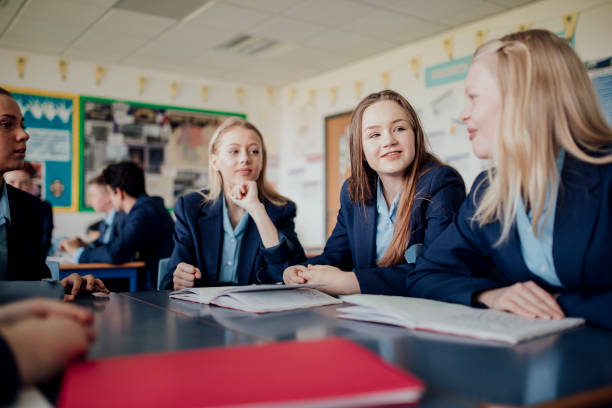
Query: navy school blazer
(352, 244)
(146, 236)
(26, 252)
(463, 261)
(198, 241)
(116, 227)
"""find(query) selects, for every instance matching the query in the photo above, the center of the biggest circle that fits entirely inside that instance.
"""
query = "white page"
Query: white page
(452, 318)
(266, 301)
(207, 294)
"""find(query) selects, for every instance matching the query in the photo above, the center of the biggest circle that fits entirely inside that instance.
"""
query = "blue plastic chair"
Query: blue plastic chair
(161, 270)
(54, 268)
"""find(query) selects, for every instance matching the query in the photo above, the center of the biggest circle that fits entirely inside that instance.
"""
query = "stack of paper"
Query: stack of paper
(325, 373)
(423, 314)
(258, 298)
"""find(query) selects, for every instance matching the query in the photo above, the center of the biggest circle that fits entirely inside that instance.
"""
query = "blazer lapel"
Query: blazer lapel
(211, 232)
(577, 208)
(248, 253)
(365, 235)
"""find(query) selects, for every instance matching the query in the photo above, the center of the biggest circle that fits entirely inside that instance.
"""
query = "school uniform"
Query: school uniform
(465, 261)
(110, 227)
(146, 236)
(203, 238)
(352, 245)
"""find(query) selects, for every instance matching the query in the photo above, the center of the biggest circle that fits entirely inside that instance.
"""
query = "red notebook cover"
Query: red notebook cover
(325, 373)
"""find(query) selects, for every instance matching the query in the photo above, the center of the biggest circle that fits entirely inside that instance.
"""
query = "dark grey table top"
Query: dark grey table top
(458, 372)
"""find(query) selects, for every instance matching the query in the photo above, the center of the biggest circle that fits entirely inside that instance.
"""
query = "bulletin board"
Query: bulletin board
(169, 142)
(50, 119)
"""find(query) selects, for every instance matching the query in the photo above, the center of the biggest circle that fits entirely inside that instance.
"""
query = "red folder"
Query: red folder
(325, 373)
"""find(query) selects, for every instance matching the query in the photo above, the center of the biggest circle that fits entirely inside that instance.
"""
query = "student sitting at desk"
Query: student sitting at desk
(22, 254)
(22, 179)
(240, 229)
(542, 214)
(396, 202)
(147, 233)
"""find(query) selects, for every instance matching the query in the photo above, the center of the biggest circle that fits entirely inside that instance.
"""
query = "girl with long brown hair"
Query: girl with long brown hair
(541, 215)
(398, 199)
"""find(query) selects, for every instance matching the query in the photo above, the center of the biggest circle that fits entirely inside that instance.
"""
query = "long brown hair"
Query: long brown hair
(362, 175)
(547, 103)
(215, 181)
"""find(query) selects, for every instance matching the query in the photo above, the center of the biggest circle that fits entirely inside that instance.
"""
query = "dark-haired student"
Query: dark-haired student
(398, 199)
(147, 233)
(239, 231)
(542, 214)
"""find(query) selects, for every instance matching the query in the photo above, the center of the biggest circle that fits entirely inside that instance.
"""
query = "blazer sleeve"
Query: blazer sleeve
(11, 382)
(445, 194)
(47, 213)
(288, 252)
(337, 251)
(595, 308)
(184, 246)
(138, 230)
(455, 265)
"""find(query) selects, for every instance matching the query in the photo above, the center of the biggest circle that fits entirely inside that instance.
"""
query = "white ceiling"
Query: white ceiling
(304, 37)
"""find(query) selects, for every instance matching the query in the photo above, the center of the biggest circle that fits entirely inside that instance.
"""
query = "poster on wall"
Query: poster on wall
(50, 121)
(169, 143)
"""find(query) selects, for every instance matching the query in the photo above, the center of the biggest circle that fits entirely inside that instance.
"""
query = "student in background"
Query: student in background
(38, 337)
(147, 233)
(542, 214)
(108, 228)
(398, 199)
(22, 179)
(240, 230)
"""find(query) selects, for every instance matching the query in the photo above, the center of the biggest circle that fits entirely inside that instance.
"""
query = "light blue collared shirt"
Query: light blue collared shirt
(385, 224)
(537, 250)
(5, 210)
(232, 241)
(108, 220)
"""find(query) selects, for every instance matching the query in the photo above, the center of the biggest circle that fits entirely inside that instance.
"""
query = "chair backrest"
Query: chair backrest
(54, 268)
(161, 270)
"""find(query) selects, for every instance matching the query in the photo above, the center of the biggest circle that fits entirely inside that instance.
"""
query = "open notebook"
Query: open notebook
(258, 298)
(333, 372)
(423, 314)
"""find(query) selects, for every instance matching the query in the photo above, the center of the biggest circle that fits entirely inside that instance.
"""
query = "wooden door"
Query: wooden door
(337, 164)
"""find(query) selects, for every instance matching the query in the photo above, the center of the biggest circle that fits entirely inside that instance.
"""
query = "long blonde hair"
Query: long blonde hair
(215, 181)
(360, 184)
(547, 103)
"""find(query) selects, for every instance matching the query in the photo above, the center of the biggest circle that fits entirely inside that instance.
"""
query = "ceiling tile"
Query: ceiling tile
(33, 30)
(102, 3)
(510, 3)
(477, 13)
(393, 27)
(226, 16)
(8, 13)
(38, 45)
(272, 6)
(329, 13)
(130, 24)
(62, 12)
(433, 10)
(348, 43)
(202, 38)
(286, 29)
(162, 8)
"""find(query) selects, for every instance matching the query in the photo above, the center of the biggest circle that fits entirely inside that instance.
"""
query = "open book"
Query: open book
(258, 298)
(430, 315)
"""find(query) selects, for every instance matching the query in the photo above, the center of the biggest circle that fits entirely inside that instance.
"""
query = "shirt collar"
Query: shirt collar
(381, 204)
(110, 217)
(5, 210)
(227, 224)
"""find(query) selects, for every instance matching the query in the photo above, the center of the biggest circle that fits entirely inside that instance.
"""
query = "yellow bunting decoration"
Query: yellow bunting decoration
(174, 87)
(523, 27)
(569, 23)
(204, 90)
(415, 64)
(448, 46)
(240, 94)
(21, 64)
(480, 37)
(100, 72)
(312, 93)
(142, 83)
(453, 129)
(63, 68)
(292, 92)
(333, 94)
(358, 89)
(385, 76)
(270, 91)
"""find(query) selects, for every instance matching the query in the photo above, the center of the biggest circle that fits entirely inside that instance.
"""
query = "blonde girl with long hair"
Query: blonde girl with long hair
(239, 230)
(541, 216)
(398, 199)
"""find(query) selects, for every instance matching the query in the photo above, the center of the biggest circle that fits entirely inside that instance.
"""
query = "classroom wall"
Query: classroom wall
(302, 164)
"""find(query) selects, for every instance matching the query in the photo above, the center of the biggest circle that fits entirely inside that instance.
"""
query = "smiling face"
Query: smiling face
(13, 137)
(387, 139)
(482, 106)
(238, 156)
